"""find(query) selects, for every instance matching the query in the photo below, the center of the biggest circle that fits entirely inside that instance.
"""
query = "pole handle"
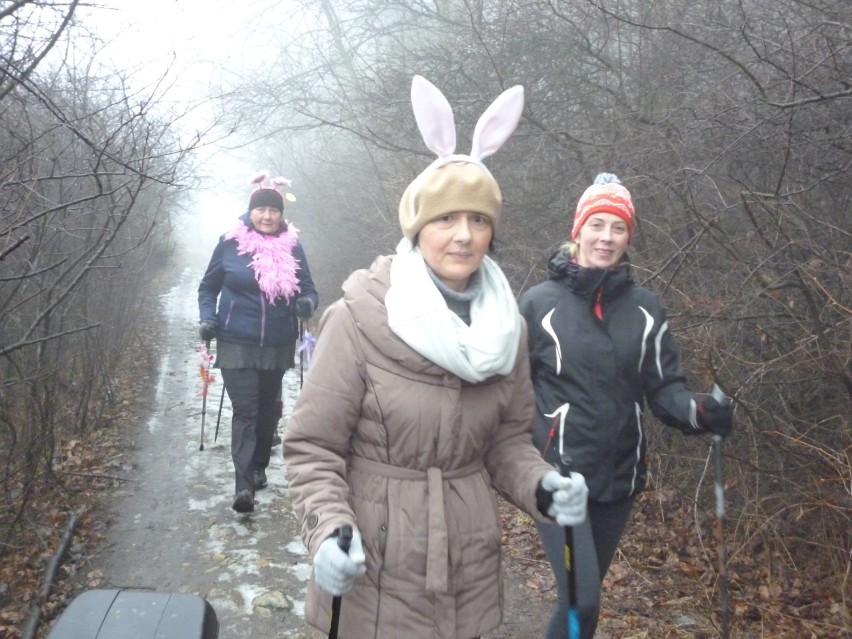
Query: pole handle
(565, 463)
(344, 541)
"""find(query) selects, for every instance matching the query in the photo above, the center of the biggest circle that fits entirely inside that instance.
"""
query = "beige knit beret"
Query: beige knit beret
(449, 188)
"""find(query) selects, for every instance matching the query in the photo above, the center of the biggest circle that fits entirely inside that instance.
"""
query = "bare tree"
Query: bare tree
(731, 124)
(86, 199)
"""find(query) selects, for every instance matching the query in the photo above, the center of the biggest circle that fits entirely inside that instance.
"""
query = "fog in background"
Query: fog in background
(730, 121)
(193, 53)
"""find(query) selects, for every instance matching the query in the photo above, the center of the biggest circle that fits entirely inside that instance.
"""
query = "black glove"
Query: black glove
(207, 329)
(715, 416)
(304, 308)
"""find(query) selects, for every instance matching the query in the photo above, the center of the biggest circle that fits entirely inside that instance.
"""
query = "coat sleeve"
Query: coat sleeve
(211, 283)
(306, 282)
(512, 461)
(316, 442)
(664, 383)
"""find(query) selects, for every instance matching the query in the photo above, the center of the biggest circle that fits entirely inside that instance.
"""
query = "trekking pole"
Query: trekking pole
(719, 484)
(573, 618)
(205, 380)
(219, 416)
(301, 353)
(343, 542)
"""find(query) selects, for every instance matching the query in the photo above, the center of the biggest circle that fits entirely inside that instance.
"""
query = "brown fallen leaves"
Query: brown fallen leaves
(84, 470)
(663, 581)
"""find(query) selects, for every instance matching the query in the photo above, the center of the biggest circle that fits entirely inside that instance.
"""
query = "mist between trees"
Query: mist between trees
(730, 121)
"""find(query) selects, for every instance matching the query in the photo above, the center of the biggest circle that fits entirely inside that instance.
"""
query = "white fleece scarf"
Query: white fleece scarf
(418, 314)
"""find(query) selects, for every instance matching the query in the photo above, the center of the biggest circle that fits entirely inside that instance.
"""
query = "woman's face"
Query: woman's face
(454, 244)
(602, 241)
(266, 219)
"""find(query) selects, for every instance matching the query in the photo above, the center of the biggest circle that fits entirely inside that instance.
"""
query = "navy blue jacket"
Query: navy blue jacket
(596, 374)
(244, 314)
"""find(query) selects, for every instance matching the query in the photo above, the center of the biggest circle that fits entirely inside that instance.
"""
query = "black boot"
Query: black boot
(244, 502)
(260, 479)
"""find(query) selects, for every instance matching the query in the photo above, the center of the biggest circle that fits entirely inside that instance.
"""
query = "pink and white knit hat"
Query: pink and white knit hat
(605, 195)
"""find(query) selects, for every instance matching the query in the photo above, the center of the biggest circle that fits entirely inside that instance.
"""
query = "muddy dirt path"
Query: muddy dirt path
(172, 528)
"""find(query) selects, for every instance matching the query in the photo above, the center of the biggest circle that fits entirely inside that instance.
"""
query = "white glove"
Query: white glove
(569, 497)
(334, 570)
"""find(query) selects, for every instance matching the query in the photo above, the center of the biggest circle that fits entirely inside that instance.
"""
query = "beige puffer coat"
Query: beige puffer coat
(384, 439)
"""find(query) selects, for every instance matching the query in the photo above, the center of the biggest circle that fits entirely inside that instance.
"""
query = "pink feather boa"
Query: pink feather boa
(271, 259)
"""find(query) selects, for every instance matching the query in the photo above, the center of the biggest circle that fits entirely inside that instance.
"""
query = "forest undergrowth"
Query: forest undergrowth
(663, 581)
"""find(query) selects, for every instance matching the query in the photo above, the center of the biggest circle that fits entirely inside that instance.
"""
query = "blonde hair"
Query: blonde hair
(571, 249)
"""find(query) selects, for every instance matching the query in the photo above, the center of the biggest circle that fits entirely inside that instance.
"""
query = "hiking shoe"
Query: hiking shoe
(276, 440)
(244, 502)
(260, 479)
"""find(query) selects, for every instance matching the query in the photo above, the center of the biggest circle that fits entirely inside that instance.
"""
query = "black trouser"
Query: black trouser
(254, 397)
(595, 543)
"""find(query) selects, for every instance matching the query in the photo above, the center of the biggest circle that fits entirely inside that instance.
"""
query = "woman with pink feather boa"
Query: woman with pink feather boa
(256, 288)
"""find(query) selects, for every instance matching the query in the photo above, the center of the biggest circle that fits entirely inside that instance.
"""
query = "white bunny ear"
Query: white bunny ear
(434, 117)
(498, 122)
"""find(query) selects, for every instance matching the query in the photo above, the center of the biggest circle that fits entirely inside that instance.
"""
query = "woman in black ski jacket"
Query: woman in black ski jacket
(255, 289)
(600, 349)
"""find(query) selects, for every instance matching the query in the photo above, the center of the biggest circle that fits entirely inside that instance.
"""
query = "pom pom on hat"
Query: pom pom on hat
(605, 195)
(272, 194)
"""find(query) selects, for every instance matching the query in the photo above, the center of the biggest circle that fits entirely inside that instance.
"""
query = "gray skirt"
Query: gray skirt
(265, 358)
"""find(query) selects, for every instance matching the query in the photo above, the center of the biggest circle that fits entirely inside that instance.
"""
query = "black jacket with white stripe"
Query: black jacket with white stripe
(600, 349)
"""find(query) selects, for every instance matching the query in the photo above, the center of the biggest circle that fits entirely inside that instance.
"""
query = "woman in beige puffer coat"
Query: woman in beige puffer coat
(418, 401)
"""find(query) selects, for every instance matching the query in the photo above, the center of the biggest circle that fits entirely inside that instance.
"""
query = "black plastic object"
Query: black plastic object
(134, 614)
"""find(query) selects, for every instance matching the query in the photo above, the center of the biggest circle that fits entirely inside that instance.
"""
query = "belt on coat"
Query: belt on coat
(437, 545)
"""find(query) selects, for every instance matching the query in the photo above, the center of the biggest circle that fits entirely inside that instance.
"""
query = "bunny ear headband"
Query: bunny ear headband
(279, 184)
(437, 126)
(455, 182)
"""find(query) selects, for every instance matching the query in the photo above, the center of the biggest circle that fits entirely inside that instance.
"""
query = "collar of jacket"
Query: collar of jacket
(585, 282)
